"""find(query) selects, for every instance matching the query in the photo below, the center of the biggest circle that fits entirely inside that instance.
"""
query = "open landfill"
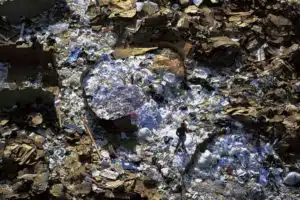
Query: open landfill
(154, 99)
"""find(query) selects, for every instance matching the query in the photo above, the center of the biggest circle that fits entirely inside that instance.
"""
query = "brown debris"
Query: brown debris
(146, 192)
(164, 63)
(279, 20)
(23, 151)
(126, 52)
(88, 131)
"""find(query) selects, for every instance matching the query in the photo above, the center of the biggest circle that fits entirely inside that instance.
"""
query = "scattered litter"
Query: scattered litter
(236, 154)
(58, 28)
(232, 84)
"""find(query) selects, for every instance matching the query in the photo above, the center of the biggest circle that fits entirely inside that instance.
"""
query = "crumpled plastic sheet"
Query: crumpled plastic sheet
(75, 52)
(237, 156)
(116, 101)
(58, 28)
(80, 7)
(149, 115)
(57, 157)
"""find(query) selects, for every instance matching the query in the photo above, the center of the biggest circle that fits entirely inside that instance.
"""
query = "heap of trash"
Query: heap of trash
(149, 99)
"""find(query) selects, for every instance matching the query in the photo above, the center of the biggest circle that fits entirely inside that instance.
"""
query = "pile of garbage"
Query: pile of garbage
(236, 156)
(94, 95)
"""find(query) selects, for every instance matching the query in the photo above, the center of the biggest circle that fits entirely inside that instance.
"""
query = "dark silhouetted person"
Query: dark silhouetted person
(181, 133)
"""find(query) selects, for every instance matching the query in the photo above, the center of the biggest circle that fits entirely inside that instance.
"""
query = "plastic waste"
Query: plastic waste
(292, 179)
(207, 159)
(139, 6)
(237, 155)
(276, 172)
(82, 6)
(58, 28)
(144, 134)
(72, 127)
(109, 174)
(149, 116)
(129, 166)
(75, 52)
(105, 57)
(167, 139)
(170, 78)
(263, 176)
(197, 2)
(261, 53)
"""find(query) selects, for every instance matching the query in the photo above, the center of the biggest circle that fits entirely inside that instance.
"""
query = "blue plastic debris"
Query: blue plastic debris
(129, 166)
(73, 127)
(225, 162)
(74, 54)
(105, 57)
(149, 116)
(276, 173)
(263, 176)
(255, 84)
(126, 165)
(58, 28)
(239, 155)
(197, 2)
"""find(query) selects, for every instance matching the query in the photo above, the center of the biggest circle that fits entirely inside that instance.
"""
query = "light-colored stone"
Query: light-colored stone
(114, 184)
(109, 174)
